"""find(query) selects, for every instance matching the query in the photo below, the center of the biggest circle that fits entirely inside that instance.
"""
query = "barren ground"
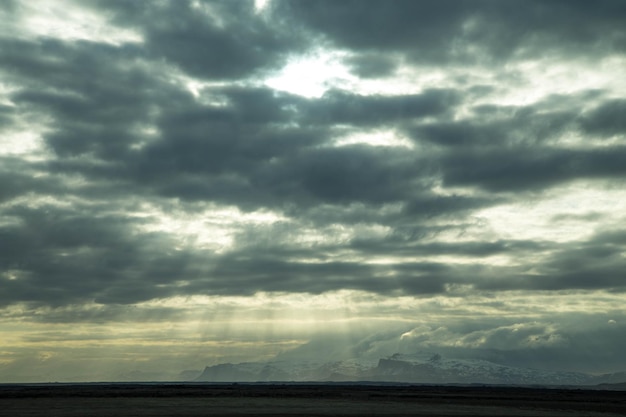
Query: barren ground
(123, 400)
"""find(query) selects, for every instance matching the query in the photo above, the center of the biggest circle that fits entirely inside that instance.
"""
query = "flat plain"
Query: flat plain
(155, 399)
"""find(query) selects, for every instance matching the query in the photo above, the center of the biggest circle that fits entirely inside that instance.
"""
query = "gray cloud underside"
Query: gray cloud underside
(264, 149)
(437, 32)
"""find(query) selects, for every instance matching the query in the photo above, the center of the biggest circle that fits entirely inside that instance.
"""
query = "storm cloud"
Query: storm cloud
(237, 161)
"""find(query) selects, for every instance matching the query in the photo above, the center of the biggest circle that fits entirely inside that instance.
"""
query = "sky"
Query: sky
(187, 183)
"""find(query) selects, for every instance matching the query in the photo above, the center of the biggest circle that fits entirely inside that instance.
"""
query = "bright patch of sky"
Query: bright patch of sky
(67, 20)
(538, 79)
(26, 144)
(261, 5)
(381, 137)
(213, 228)
(312, 75)
(558, 216)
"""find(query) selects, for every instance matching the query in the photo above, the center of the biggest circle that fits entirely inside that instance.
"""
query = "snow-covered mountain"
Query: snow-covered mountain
(417, 368)
(346, 370)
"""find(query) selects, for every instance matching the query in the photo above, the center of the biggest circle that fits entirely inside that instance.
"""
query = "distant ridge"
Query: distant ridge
(612, 387)
(418, 368)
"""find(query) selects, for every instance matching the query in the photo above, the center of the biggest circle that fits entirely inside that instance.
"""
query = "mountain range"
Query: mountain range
(424, 368)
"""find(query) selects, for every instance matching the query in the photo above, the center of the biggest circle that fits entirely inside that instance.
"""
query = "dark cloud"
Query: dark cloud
(495, 126)
(593, 264)
(63, 256)
(209, 39)
(398, 246)
(358, 173)
(606, 119)
(6, 113)
(468, 31)
(93, 96)
(242, 273)
(523, 168)
(17, 178)
(247, 153)
(372, 65)
(339, 107)
(427, 205)
(376, 26)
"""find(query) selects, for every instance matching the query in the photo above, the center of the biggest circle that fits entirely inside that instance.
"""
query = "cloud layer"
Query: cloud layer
(460, 151)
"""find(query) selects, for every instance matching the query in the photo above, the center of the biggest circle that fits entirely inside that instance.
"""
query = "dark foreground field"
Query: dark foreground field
(122, 400)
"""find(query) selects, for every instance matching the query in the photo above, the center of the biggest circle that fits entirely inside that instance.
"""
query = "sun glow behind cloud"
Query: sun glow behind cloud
(312, 75)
